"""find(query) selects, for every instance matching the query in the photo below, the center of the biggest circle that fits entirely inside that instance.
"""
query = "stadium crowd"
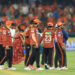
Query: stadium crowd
(21, 13)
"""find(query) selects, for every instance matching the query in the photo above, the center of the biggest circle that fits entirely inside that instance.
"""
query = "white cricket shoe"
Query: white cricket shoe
(51, 68)
(64, 68)
(11, 68)
(27, 68)
(3, 67)
(40, 69)
(57, 69)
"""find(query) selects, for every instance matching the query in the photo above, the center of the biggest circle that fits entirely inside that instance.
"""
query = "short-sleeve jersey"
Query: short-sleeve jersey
(48, 36)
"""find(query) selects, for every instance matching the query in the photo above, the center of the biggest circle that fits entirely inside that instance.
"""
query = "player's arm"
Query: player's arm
(24, 33)
(41, 38)
(6, 42)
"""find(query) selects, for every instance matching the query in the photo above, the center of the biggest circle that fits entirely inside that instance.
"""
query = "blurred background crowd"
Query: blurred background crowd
(22, 11)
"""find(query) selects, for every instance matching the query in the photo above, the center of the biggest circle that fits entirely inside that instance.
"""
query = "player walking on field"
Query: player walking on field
(48, 36)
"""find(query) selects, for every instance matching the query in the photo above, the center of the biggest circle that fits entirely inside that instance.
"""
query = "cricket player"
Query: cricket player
(60, 47)
(48, 36)
(34, 46)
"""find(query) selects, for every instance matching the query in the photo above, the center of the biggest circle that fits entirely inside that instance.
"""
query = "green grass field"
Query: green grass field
(20, 68)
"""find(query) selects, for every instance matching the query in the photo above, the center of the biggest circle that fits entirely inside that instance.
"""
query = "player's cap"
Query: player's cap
(8, 22)
(60, 23)
(50, 24)
(37, 21)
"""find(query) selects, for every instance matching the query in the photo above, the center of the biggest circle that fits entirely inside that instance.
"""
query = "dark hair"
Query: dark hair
(31, 22)
(39, 30)
(21, 30)
(2, 22)
(49, 26)
(19, 27)
(13, 24)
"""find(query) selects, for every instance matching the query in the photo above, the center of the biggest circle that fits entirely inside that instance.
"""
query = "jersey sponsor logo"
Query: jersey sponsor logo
(32, 30)
(27, 28)
(48, 33)
(4, 30)
(58, 32)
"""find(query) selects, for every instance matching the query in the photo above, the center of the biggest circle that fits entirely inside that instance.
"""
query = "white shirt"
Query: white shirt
(15, 6)
(12, 34)
(25, 10)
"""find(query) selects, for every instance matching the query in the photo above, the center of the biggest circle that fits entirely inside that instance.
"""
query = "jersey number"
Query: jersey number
(47, 37)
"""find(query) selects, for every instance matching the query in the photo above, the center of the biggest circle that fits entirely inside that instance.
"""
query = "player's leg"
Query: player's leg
(0, 52)
(46, 52)
(32, 54)
(37, 58)
(43, 57)
(10, 59)
(50, 58)
(27, 52)
(56, 56)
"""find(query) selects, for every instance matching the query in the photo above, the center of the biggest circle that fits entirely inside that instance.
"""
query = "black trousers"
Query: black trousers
(2, 52)
(28, 47)
(8, 56)
(59, 53)
(34, 53)
(49, 56)
(43, 57)
(65, 64)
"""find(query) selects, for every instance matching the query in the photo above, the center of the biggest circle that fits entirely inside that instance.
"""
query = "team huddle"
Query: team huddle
(32, 43)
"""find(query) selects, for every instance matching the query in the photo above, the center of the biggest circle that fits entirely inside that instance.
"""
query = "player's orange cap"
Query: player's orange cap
(60, 23)
(37, 21)
(8, 22)
(50, 24)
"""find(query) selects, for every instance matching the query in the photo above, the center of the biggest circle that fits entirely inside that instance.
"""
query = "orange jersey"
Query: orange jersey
(4, 36)
(32, 30)
(9, 38)
(48, 36)
(27, 40)
(59, 37)
(1, 30)
(36, 35)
